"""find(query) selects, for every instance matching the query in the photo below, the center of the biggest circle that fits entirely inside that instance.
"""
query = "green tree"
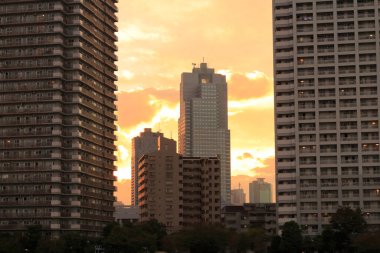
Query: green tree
(258, 240)
(75, 243)
(129, 239)
(367, 242)
(202, 239)
(51, 246)
(10, 244)
(275, 244)
(32, 237)
(309, 244)
(291, 238)
(346, 223)
(155, 229)
(327, 241)
(238, 242)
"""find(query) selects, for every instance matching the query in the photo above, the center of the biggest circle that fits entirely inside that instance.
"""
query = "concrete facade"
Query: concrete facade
(203, 123)
(146, 143)
(260, 191)
(248, 216)
(126, 214)
(57, 120)
(201, 190)
(179, 191)
(159, 186)
(237, 197)
(326, 56)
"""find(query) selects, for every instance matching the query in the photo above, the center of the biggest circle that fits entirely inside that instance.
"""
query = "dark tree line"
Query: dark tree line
(140, 238)
(347, 233)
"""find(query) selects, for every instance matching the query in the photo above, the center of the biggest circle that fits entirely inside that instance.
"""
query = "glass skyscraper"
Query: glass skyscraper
(203, 123)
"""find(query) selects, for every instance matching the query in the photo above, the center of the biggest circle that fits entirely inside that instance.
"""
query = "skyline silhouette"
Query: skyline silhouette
(156, 49)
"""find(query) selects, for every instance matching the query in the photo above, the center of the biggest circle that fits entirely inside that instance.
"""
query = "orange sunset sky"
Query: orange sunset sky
(160, 39)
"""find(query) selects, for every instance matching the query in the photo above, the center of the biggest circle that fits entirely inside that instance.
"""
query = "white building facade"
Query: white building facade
(326, 56)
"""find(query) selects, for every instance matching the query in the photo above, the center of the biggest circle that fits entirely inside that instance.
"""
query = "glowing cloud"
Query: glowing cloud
(135, 33)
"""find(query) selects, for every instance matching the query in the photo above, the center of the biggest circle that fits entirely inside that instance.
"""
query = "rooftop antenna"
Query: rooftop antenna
(203, 59)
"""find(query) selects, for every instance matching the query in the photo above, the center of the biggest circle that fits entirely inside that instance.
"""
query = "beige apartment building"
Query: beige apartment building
(201, 190)
(178, 191)
(326, 56)
(159, 184)
(145, 143)
(57, 84)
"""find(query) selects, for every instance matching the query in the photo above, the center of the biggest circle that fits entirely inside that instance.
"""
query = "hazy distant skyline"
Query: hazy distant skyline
(159, 40)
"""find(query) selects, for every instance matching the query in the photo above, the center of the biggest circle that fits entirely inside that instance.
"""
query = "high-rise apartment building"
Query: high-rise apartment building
(178, 191)
(237, 197)
(57, 84)
(146, 143)
(327, 109)
(159, 184)
(203, 123)
(260, 191)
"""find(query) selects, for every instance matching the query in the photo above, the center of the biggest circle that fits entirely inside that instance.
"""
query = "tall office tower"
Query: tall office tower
(57, 84)
(237, 197)
(203, 123)
(327, 110)
(260, 191)
(178, 191)
(146, 143)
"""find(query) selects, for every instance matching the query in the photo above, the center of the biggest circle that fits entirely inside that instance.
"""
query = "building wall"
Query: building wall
(201, 190)
(179, 191)
(260, 191)
(126, 214)
(250, 216)
(237, 197)
(203, 123)
(327, 109)
(160, 197)
(145, 143)
(57, 84)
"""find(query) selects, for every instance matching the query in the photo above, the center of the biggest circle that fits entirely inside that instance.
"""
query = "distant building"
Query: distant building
(237, 197)
(178, 191)
(125, 214)
(203, 123)
(260, 191)
(145, 143)
(241, 218)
